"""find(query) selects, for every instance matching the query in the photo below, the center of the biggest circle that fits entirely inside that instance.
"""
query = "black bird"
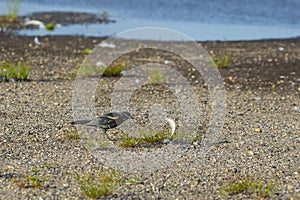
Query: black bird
(107, 121)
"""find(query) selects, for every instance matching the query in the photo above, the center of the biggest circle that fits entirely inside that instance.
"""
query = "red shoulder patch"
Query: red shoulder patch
(113, 117)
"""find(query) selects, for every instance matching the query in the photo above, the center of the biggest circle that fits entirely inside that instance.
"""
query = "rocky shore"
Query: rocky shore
(260, 139)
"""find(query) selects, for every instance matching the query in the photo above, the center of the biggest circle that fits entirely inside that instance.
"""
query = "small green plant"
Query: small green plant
(18, 72)
(251, 187)
(50, 27)
(73, 135)
(157, 138)
(221, 62)
(156, 77)
(34, 180)
(114, 70)
(87, 51)
(128, 142)
(48, 165)
(263, 190)
(92, 70)
(13, 8)
(34, 170)
(71, 75)
(30, 182)
(98, 186)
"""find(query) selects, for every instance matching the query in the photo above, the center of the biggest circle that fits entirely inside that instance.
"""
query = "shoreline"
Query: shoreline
(251, 62)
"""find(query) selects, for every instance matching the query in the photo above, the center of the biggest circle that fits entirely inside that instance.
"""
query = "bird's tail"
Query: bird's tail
(81, 122)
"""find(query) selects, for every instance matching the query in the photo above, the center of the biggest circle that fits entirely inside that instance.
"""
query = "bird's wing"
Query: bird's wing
(103, 122)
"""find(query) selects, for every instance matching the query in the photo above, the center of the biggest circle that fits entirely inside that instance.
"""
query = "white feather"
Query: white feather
(172, 124)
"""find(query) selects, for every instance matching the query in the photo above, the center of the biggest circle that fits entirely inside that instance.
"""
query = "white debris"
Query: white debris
(105, 44)
(177, 90)
(100, 64)
(36, 41)
(166, 141)
(168, 62)
(124, 73)
(282, 77)
(296, 108)
(281, 48)
(38, 23)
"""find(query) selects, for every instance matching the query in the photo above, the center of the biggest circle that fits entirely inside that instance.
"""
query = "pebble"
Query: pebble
(258, 130)
(296, 108)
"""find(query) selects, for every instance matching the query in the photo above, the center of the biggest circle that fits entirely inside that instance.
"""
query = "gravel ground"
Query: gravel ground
(260, 138)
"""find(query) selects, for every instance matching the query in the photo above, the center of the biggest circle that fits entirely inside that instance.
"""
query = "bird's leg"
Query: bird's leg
(107, 135)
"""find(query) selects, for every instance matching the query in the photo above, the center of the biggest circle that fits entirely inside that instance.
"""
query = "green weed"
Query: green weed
(30, 182)
(91, 70)
(50, 27)
(87, 51)
(146, 139)
(34, 170)
(73, 135)
(156, 77)
(221, 62)
(251, 187)
(48, 165)
(101, 185)
(128, 142)
(18, 72)
(114, 70)
(13, 8)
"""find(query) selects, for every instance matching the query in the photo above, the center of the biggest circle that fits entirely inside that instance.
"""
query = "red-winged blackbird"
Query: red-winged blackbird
(107, 121)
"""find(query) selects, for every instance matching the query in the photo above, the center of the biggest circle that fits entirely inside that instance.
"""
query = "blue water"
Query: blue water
(201, 20)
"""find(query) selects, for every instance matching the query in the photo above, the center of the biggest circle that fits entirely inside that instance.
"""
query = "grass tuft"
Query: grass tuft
(101, 185)
(221, 62)
(128, 142)
(13, 8)
(17, 72)
(251, 187)
(114, 70)
(30, 182)
(87, 51)
(156, 77)
(91, 70)
(157, 138)
(73, 135)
